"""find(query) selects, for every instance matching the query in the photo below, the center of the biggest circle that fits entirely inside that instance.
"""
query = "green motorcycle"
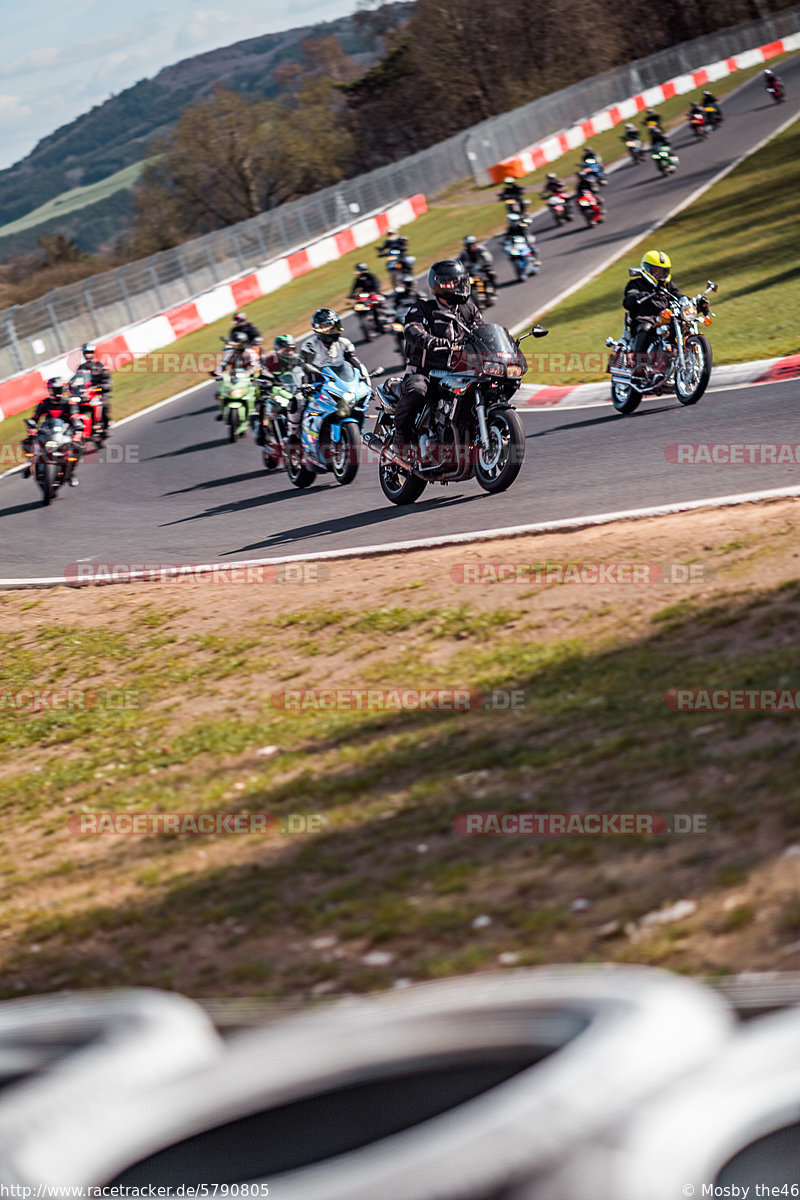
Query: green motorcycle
(238, 397)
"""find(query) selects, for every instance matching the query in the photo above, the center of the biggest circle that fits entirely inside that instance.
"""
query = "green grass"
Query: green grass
(76, 198)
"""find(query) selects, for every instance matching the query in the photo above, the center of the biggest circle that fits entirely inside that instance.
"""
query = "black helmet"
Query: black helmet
(239, 317)
(326, 324)
(551, 175)
(362, 267)
(55, 388)
(449, 280)
(88, 350)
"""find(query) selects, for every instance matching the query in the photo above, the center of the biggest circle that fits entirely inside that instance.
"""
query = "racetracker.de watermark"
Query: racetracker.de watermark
(581, 824)
(84, 574)
(615, 573)
(732, 700)
(71, 699)
(733, 454)
(205, 824)
(114, 453)
(397, 699)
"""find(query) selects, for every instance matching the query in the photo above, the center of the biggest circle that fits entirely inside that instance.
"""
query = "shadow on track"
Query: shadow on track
(197, 448)
(215, 483)
(375, 516)
(609, 417)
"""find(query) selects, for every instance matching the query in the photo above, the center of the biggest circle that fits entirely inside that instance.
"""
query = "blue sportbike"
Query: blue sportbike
(330, 431)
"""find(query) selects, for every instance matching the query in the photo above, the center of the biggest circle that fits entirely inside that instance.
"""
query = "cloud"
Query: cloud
(209, 25)
(12, 107)
(47, 58)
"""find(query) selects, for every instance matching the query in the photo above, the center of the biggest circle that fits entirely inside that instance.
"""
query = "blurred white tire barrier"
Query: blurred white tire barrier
(75, 1069)
(735, 1122)
(454, 1089)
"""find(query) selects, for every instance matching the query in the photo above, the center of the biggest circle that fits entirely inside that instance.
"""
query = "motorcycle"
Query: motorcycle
(330, 427)
(777, 91)
(593, 166)
(481, 290)
(271, 432)
(517, 210)
(398, 262)
(699, 126)
(237, 395)
(713, 116)
(54, 450)
(523, 257)
(90, 407)
(467, 427)
(633, 144)
(679, 358)
(666, 159)
(370, 310)
(589, 206)
(559, 207)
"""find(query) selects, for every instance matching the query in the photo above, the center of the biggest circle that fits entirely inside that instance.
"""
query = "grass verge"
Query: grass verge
(387, 888)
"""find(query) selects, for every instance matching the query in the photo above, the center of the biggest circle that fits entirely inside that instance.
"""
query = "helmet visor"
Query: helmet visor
(659, 273)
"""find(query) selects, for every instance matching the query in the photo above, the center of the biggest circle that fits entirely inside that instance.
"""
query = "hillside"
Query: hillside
(115, 134)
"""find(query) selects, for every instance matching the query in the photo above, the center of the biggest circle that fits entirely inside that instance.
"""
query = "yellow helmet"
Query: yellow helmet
(656, 267)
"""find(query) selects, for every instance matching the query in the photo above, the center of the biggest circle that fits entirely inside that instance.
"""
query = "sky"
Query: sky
(59, 60)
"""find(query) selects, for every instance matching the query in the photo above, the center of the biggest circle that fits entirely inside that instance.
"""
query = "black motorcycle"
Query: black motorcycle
(467, 427)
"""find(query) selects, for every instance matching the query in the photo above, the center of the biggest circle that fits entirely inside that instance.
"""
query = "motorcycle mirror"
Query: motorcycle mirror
(713, 286)
(539, 331)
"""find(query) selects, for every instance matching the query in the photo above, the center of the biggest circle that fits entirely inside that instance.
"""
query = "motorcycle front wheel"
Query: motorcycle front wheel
(366, 332)
(399, 486)
(46, 478)
(343, 456)
(233, 424)
(496, 470)
(625, 398)
(692, 381)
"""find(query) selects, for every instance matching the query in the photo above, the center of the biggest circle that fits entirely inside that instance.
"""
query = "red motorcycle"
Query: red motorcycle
(776, 90)
(90, 407)
(590, 206)
(699, 127)
(559, 207)
(370, 308)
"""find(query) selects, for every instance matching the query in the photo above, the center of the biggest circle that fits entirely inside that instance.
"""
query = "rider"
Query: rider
(243, 334)
(281, 367)
(404, 292)
(477, 259)
(709, 100)
(658, 139)
(553, 186)
(395, 243)
(643, 301)
(630, 132)
(771, 80)
(695, 110)
(326, 346)
(651, 118)
(511, 190)
(588, 182)
(365, 281)
(434, 330)
(59, 403)
(99, 375)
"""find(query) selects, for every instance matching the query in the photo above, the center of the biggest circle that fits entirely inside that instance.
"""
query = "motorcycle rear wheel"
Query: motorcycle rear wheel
(300, 476)
(689, 387)
(397, 485)
(507, 453)
(625, 398)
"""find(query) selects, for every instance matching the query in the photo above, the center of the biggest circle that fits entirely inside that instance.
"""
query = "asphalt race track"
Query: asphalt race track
(177, 492)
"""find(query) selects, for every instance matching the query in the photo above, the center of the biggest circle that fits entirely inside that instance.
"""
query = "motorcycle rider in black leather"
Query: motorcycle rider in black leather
(364, 281)
(434, 329)
(59, 403)
(644, 299)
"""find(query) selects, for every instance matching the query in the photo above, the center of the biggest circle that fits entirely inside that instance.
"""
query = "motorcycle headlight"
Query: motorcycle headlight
(493, 368)
(688, 312)
(514, 372)
(51, 445)
(349, 396)
(237, 393)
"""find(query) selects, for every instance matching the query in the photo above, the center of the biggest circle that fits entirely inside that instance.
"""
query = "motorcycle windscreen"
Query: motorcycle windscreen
(490, 344)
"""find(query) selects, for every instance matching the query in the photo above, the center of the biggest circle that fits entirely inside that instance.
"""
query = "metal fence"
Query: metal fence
(53, 324)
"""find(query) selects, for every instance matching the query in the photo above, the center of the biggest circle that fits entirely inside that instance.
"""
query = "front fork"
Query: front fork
(483, 428)
(678, 333)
